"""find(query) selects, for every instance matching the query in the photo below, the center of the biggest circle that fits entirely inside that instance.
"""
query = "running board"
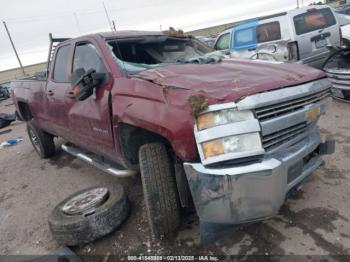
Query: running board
(89, 158)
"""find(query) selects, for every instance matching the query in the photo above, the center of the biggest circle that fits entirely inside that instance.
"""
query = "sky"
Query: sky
(30, 21)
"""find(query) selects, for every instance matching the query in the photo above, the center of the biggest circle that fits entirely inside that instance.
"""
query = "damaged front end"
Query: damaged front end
(254, 152)
(337, 68)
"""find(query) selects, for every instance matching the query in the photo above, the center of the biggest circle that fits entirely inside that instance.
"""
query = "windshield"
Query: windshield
(138, 54)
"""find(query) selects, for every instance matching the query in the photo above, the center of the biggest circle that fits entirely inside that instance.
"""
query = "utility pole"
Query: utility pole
(77, 21)
(297, 3)
(107, 16)
(14, 48)
(113, 23)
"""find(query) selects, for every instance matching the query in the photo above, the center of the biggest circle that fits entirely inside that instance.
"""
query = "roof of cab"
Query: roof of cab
(117, 34)
(129, 33)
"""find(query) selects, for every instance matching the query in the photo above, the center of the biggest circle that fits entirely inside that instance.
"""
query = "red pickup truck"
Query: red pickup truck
(233, 136)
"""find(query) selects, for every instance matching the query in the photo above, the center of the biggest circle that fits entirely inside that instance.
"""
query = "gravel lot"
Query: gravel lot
(314, 222)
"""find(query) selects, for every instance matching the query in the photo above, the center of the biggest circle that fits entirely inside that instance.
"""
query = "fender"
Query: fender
(143, 104)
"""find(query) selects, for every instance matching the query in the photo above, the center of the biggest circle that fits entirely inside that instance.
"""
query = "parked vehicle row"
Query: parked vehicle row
(302, 35)
(311, 35)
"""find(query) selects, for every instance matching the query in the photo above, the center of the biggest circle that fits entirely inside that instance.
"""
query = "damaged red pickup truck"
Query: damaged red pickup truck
(233, 136)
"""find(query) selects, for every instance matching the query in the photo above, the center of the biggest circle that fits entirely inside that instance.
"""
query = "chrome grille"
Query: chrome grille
(280, 137)
(275, 110)
(340, 79)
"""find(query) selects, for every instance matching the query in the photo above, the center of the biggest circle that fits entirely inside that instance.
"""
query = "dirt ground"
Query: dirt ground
(313, 222)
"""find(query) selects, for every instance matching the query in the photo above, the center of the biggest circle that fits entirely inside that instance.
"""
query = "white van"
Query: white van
(305, 35)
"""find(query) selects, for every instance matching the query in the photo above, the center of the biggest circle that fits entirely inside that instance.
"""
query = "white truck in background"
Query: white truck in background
(305, 35)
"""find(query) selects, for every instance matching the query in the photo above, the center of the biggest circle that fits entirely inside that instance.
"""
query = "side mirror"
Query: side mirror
(86, 82)
(99, 78)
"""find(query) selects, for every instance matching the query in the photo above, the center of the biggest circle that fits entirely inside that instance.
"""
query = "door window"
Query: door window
(269, 32)
(314, 19)
(249, 37)
(245, 37)
(60, 67)
(223, 42)
(87, 57)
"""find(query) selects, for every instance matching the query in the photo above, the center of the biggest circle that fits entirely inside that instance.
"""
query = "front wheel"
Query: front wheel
(160, 191)
(42, 142)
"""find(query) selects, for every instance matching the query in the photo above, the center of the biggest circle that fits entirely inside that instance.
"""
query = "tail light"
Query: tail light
(293, 51)
(341, 37)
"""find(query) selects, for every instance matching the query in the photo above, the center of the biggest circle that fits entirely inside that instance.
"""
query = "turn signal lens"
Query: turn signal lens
(213, 148)
(233, 144)
(205, 121)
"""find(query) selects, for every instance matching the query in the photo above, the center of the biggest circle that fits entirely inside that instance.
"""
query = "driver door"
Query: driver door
(89, 120)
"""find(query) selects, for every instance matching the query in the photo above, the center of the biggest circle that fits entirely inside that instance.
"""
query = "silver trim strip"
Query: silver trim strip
(266, 165)
(219, 107)
(283, 95)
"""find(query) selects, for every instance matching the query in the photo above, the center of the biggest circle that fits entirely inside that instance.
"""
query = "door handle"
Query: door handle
(50, 92)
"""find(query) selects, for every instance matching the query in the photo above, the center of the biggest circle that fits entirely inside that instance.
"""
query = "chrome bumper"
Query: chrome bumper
(255, 191)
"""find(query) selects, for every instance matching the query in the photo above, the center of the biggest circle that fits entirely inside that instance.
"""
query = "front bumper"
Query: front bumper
(252, 192)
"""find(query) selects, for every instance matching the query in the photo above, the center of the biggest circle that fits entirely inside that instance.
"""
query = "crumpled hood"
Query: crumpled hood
(231, 80)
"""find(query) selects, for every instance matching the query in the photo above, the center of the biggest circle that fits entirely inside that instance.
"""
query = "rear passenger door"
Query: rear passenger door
(315, 29)
(55, 92)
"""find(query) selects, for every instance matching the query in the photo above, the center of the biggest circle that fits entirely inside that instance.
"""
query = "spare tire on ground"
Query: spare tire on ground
(89, 214)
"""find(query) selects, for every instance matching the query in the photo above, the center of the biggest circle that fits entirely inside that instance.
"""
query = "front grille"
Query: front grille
(280, 137)
(272, 111)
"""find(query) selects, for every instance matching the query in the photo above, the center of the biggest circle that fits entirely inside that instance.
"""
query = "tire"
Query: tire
(346, 42)
(42, 142)
(18, 117)
(346, 94)
(72, 230)
(160, 191)
(335, 54)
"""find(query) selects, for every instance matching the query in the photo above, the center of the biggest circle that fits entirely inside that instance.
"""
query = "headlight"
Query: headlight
(225, 133)
(222, 117)
(233, 144)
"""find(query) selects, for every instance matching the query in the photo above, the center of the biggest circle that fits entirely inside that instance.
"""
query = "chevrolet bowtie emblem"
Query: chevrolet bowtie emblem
(313, 113)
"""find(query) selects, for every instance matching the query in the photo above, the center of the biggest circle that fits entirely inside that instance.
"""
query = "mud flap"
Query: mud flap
(328, 147)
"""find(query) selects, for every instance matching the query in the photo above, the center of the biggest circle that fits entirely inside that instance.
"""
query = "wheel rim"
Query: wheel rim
(87, 202)
(35, 140)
